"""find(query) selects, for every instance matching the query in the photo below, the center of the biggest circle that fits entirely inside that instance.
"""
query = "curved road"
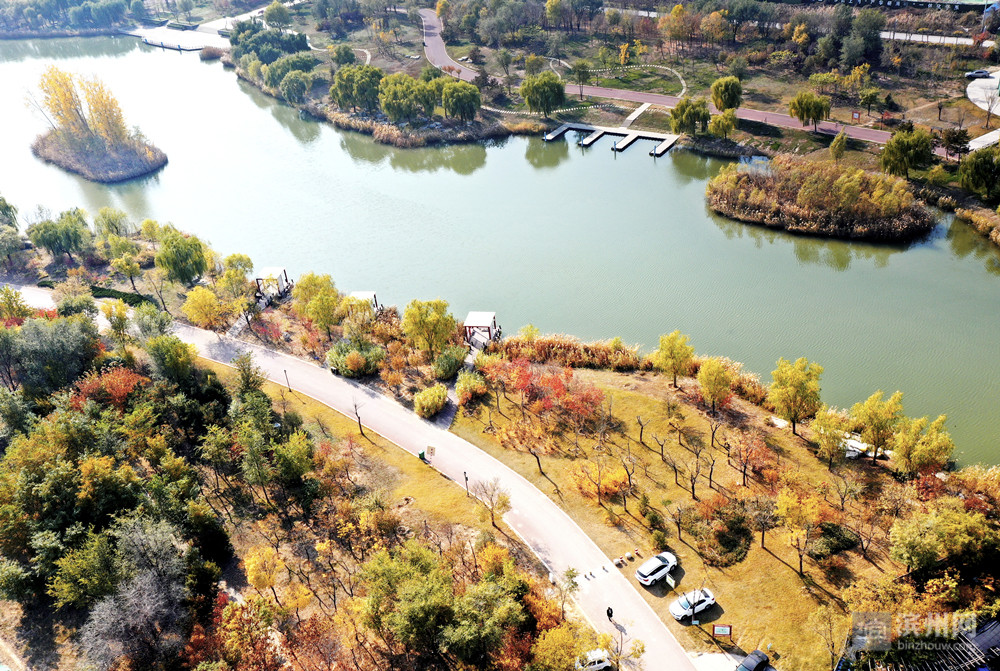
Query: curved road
(538, 520)
(437, 54)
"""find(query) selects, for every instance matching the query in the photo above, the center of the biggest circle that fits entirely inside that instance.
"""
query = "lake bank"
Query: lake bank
(99, 165)
(583, 241)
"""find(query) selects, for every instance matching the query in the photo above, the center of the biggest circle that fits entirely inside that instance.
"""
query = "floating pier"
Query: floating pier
(628, 136)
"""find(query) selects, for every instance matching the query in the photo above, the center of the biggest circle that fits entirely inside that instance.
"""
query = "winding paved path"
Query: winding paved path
(539, 521)
(437, 54)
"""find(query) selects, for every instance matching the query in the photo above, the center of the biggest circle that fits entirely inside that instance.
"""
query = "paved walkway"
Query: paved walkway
(984, 94)
(538, 520)
(437, 54)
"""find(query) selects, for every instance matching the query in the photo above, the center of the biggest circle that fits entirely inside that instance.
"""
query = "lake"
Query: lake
(584, 242)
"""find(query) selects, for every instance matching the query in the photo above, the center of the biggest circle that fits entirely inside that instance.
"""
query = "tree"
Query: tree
(494, 498)
(829, 429)
(808, 107)
(173, 359)
(795, 390)
(800, 516)
(10, 242)
(181, 257)
(263, 564)
(687, 115)
(716, 27)
(150, 322)
(919, 444)
(398, 96)
(560, 648)
(143, 622)
(879, 419)
(428, 325)
(110, 221)
(580, 73)
(727, 93)
(543, 93)
(763, 515)
(68, 234)
(49, 355)
(905, 151)
(715, 381)
(86, 574)
(504, 59)
(533, 64)
(915, 542)
(723, 124)
(276, 15)
(8, 214)
(674, 354)
(980, 171)
(116, 314)
(342, 54)
(366, 86)
(342, 88)
(61, 100)
(867, 27)
(460, 99)
(868, 96)
(203, 308)
(830, 627)
(748, 449)
(295, 85)
(13, 305)
(838, 146)
(738, 67)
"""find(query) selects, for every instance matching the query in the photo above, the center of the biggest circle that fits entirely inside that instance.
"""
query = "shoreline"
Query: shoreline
(102, 169)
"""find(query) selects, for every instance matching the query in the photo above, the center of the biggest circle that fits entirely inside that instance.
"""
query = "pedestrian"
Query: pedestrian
(610, 614)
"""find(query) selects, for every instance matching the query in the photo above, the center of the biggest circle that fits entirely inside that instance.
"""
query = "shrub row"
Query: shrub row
(430, 401)
(566, 350)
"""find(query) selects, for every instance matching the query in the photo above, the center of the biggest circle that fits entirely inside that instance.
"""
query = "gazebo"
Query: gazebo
(481, 328)
(367, 296)
(273, 282)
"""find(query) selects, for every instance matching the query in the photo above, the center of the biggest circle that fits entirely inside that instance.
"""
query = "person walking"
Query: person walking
(610, 614)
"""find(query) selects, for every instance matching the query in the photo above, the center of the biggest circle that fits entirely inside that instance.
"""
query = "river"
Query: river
(582, 242)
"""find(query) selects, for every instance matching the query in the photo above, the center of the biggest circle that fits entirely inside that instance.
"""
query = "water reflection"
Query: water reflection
(965, 241)
(463, 159)
(690, 166)
(834, 254)
(69, 47)
(541, 154)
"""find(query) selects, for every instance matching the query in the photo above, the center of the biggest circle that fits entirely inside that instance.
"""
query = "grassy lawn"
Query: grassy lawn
(651, 80)
(761, 595)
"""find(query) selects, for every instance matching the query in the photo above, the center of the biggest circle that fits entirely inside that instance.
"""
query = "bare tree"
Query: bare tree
(567, 586)
(847, 487)
(992, 96)
(764, 514)
(714, 424)
(642, 427)
(675, 418)
(494, 498)
(830, 627)
(693, 471)
(357, 414)
(595, 471)
(672, 462)
(142, 621)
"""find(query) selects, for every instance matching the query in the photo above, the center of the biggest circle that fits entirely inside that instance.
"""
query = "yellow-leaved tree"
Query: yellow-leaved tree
(263, 563)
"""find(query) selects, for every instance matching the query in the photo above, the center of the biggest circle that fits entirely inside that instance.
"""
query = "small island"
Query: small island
(88, 133)
(820, 198)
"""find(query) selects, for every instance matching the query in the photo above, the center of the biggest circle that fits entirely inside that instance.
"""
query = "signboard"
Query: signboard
(430, 450)
(856, 116)
(722, 630)
(669, 579)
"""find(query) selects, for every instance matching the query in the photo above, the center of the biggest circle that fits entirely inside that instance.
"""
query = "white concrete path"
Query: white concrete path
(540, 522)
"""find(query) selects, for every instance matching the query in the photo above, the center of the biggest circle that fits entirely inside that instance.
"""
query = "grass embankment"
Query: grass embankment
(821, 199)
(97, 162)
(762, 595)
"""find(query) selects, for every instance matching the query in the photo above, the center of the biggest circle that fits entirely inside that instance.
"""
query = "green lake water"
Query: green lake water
(581, 242)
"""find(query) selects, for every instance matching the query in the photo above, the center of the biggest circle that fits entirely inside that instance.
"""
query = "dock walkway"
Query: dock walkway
(666, 140)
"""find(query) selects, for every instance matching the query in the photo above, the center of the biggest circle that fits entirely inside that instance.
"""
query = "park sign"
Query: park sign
(722, 630)
(669, 579)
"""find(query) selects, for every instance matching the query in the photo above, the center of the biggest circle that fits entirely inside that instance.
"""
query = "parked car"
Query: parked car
(755, 661)
(595, 660)
(692, 603)
(655, 569)
(978, 74)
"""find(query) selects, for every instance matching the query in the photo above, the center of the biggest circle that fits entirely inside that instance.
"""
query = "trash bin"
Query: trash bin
(422, 455)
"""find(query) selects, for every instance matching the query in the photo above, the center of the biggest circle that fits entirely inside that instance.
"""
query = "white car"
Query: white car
(692, 603)
(595, 660)
(655, 569)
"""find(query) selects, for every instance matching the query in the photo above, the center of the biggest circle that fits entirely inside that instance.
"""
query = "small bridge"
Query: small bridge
(666, 140)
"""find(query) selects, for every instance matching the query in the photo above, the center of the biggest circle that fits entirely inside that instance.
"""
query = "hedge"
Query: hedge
(430, 401)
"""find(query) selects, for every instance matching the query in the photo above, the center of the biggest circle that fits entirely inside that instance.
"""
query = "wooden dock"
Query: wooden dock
(628, 136)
